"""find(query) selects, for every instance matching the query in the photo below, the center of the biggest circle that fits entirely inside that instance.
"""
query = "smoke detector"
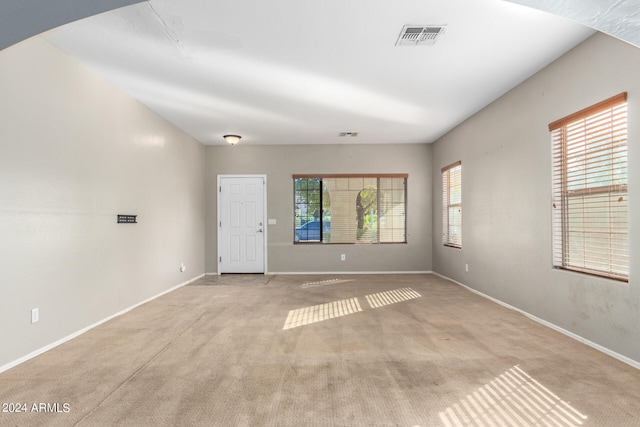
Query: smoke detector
(417, 35)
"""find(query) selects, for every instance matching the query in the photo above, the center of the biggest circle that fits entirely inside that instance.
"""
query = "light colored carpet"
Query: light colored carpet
(369, 350)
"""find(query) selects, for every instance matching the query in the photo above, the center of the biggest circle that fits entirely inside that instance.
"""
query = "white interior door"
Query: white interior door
(241, 224)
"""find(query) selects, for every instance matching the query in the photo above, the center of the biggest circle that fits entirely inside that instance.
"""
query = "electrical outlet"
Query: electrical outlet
(466, 268)
(183, 267)
(343, 257)
(35, 315)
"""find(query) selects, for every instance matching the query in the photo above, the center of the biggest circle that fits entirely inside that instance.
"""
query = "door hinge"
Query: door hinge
(221, 188)
(220, 223)
(220, 259)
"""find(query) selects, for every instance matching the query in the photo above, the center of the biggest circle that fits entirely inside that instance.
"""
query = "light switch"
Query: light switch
(271, 221)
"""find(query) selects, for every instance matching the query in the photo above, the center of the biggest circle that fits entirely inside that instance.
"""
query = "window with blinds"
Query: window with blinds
(590, 198)
(452, 205)
(350, 208)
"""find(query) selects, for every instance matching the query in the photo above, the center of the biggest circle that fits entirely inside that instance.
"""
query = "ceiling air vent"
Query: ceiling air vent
(417, 35)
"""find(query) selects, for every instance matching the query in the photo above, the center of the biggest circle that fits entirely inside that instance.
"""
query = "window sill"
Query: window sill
(594, 274)
(452, 246)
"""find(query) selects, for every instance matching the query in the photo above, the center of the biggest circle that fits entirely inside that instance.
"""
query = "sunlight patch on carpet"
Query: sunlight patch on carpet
(325, 282)
(512, 399)
(318, 313)
(391, 297)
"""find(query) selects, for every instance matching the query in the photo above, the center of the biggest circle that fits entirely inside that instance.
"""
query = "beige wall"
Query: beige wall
(74, 153)
(506, 175)
(280, 162)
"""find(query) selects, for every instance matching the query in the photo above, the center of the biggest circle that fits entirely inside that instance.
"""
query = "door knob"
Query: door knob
(259, 230)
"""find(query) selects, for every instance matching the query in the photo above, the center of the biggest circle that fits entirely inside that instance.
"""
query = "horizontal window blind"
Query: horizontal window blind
(392, 207)
(452, 205)
(590, 196)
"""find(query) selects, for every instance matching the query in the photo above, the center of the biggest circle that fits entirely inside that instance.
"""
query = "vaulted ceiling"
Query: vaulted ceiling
(301, 72)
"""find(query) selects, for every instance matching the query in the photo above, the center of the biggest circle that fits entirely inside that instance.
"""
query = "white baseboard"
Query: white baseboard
(273, 273)
(82, 331)
(301, 273)
(605, 350)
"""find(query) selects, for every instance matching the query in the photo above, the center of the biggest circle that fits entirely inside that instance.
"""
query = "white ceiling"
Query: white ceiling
(300, 72)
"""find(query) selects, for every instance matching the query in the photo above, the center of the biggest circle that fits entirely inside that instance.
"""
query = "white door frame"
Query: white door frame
(264, 220)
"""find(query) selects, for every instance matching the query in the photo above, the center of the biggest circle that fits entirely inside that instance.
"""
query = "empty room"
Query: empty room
(339, 213)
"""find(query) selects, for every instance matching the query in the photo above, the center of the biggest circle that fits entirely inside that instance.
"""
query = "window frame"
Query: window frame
(581, 158)
(448, 238)
(378, 176)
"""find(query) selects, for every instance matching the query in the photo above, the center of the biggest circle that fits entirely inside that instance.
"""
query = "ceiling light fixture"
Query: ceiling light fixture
(232, 139)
